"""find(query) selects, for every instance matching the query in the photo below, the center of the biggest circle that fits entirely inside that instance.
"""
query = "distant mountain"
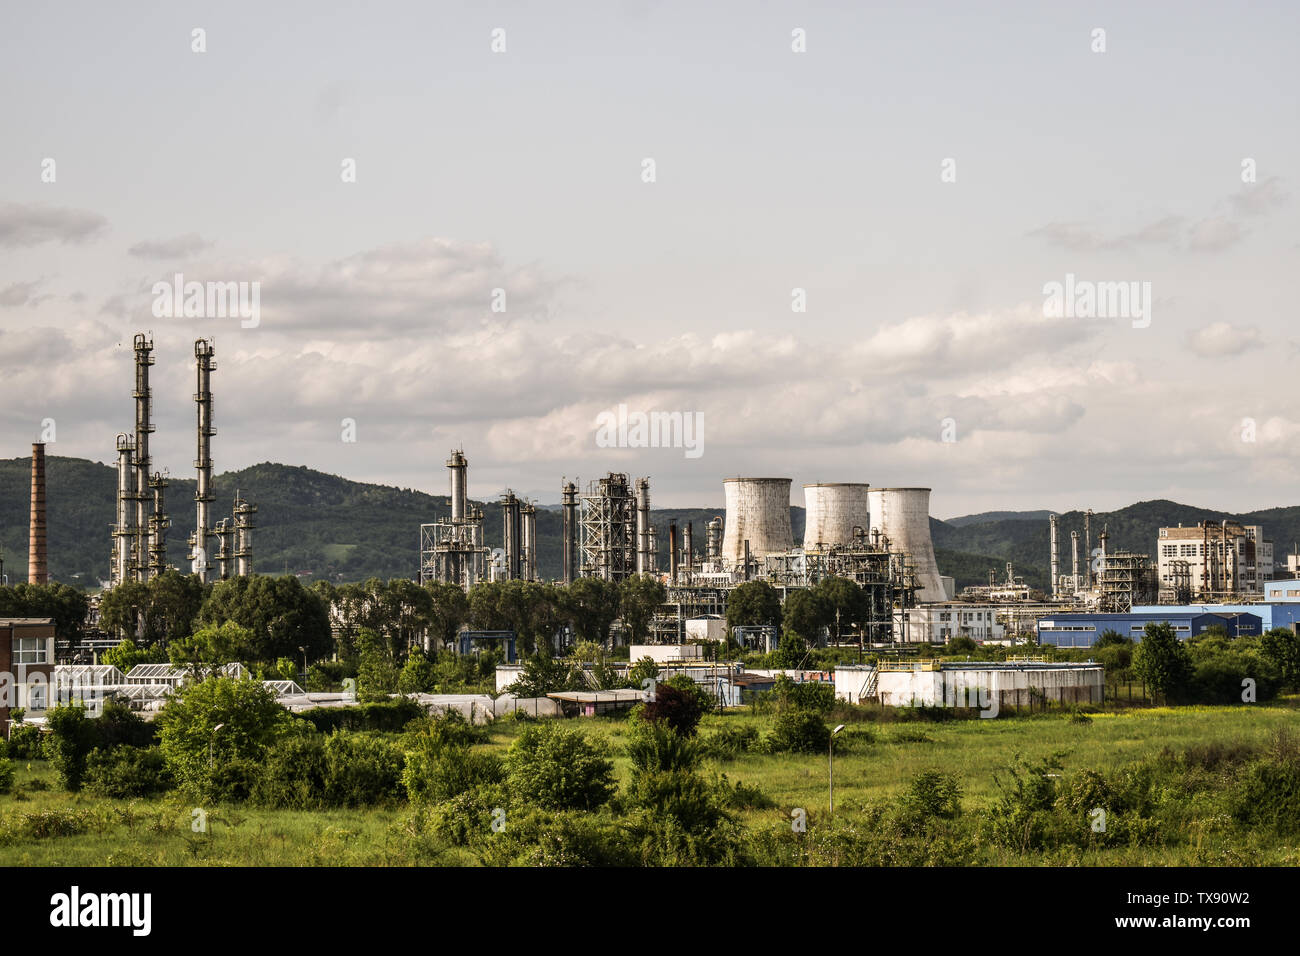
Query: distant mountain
(309, 521)
(986, 516)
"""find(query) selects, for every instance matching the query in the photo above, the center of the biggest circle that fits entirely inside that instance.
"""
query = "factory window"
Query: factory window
(29, 650)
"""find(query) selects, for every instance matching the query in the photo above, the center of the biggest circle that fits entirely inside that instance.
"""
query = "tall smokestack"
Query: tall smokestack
(123, 533)
(1056, 562)
(569, 547)
(1074, 557)
(143, 347)
(200, 551)
(672, 551)
(643, 560)
(1087, 546)
(528, 522)
(688, 556)
(513, 534)
(459, 468)
(38, 571)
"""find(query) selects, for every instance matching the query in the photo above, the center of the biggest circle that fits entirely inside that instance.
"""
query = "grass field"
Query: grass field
(43, 825)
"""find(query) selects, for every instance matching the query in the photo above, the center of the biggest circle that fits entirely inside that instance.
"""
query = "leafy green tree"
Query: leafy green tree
(126, 655)
(419, 676)
(1162, 661)
(554, 767)
(1281, 646)
(592, 604)
(72, 739)
(848, 605)
(791, 652)
(448, 611)
(174, 601)
(640, 596)
(377, 675)
(1112, 638)
(122, 609)
(643, 669)
(805, 613)
(281, 613)
(213, 644)
(752, 604)
(543, 674)
(247, 714)
(65, 604)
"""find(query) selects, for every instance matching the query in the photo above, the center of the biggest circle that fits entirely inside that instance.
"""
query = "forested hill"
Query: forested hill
(309, 521)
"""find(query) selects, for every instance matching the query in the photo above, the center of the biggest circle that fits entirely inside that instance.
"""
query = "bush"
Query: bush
(799, 731)
(293, 775)
(73, 736)
(537, 837)
(674, 707)
(250, 721)
(556, 768)
(6, 775)
(389, 716)
(126, 772)
(655, 746)
(437, 769)
(362, 771)
(24, 744)
(931, 794)
(816, 696)
(730, 742)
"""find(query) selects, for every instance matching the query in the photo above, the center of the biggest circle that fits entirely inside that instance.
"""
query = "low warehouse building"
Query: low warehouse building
(1083, 630)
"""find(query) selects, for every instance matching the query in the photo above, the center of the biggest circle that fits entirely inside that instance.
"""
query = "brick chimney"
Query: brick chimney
(38, 571)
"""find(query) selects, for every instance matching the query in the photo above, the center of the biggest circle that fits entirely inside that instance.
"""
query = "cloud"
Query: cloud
(1077, 238)
(1222, 339)
(29, 224)
(21, 293)
(1214, 235)
(1257, 199)
(177, 247)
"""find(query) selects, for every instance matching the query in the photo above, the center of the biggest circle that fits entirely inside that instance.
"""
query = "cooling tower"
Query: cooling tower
(903, 516)
(832, 512)
(758, 511)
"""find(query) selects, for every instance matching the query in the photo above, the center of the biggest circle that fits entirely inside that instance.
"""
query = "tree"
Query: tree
(640, 597)
(752, 604)
(678, 709)
(122, 609)
(174, 601)
(65, 604)
(418, 676)
(249, 718)
(805, 614)
(72, 739)
(213, 644)
(847, 603)
(377, 675)
(448, 610)
(592, 604)
(553, 767)
(1161, 661)
(281, 613)
(1281, 646)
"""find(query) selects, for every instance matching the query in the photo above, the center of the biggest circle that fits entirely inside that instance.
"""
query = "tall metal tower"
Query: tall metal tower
(200, 552)
(143, 347)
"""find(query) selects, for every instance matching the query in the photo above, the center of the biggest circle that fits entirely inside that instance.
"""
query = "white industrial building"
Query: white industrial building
(1212, 559)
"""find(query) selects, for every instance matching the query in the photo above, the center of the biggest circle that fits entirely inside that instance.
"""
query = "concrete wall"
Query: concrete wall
(663, 653)
(978, 686)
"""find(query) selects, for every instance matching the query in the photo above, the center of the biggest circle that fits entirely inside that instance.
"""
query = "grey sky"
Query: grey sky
(775, 170)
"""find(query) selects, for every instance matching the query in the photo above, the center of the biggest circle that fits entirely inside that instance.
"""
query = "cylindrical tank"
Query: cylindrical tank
(833, 510)
(758, 511)
(458, 467)
(903, 516)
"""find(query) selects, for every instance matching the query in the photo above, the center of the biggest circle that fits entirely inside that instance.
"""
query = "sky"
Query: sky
(825, 229)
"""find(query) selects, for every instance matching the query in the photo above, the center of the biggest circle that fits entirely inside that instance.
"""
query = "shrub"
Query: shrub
(816, 696)
(6, 775)
(293, 774)
(655, 746)
(556, 768)
(73, 736)
(537, 837)
(24, 743)
(436, 771)
(676, 708)
(730, 742)
(799, 731)
(250, 723)
(126, 772)
(389, 716)
(932, 794)
(362, 771)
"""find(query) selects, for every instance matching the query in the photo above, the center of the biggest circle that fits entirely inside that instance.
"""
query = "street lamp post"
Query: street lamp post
(830, 764)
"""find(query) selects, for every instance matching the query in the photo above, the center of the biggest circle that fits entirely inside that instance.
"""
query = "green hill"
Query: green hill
(309, 521)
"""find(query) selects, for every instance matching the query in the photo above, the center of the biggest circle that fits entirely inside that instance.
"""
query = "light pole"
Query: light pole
(211, 740)
(303, 648)
(830, 764)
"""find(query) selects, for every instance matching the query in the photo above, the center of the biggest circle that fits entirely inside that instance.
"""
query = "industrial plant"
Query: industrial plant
(140, 533)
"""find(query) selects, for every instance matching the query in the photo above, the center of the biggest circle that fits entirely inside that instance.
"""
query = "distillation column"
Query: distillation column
(205, 353)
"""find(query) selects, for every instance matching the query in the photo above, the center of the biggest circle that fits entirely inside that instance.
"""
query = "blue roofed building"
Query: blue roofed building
(1078, 629)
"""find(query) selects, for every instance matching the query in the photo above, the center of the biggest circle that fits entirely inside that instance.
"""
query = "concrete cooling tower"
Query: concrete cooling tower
(833, 510)
(903, 515)
(758, 511)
